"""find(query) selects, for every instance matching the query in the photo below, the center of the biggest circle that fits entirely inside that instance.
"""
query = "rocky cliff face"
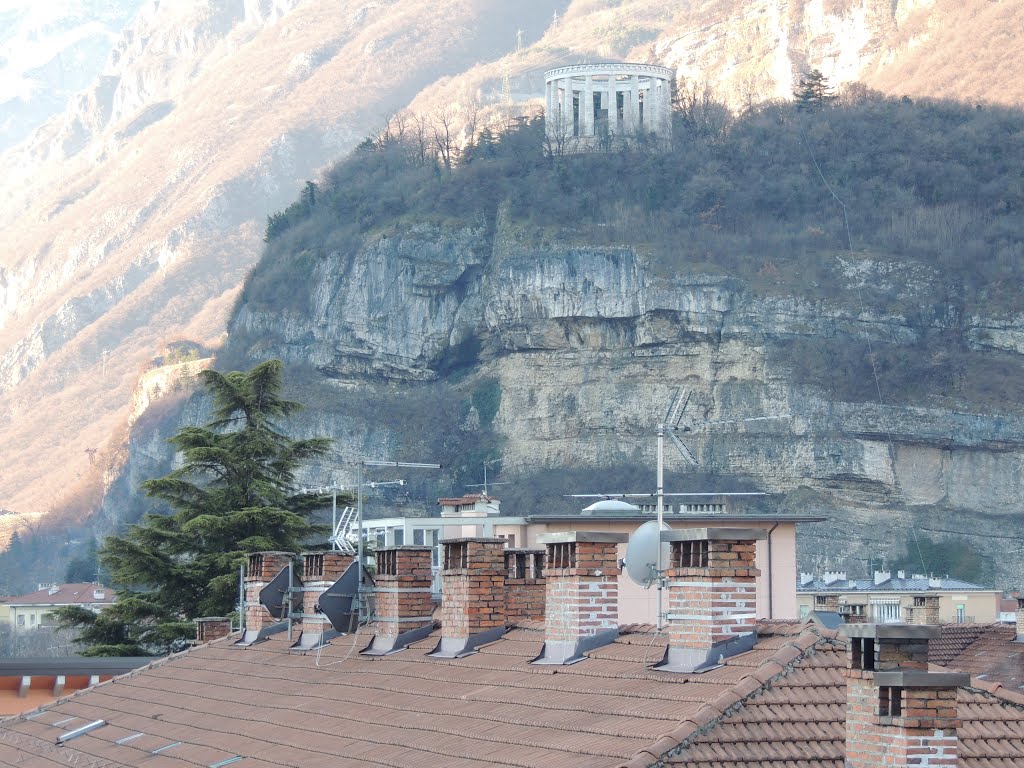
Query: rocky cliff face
(586, 345)
(131, 218)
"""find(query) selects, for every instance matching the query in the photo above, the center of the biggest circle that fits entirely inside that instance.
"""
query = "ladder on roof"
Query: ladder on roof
(342, 530)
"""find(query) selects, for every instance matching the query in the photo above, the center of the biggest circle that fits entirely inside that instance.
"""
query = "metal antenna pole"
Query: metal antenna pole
(661, 516)
(359, 517)
(334, 518)
(241, 596)
(359, 540)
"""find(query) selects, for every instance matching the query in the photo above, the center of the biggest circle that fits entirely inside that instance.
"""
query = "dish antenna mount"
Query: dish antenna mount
(642, 554)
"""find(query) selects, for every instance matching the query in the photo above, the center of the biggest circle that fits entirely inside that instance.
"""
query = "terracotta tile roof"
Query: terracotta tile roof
(66, 594)
(954, 640)
(798, 720)
(993, 655)
(781, 704)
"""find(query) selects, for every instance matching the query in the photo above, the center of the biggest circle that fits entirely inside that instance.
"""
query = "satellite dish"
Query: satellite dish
(275, 595)
(641, 558)
(340, 602)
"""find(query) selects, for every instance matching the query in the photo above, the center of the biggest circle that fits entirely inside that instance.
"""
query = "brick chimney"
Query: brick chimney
(210, 628)
(404, 605)
(319, 571)
(924, 611)
(261, 568)
(898, 714)
(581, 609)
(711, 596)
(524, 585)
(473, 595)
(854, 613)
(827, 602)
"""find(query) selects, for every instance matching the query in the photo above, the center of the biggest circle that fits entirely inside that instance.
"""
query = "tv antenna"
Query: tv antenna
(360, 467)
(341, 526)
(484, 484)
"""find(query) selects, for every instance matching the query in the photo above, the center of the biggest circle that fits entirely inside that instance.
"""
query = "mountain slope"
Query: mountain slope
(131, 219)
(147, 204)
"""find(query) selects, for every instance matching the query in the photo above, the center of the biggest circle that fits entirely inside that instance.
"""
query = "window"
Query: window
(961, 613)
(885, 611)
(399, 537)
(919, 602)
(32, 619)
(820, 600)
(21, 619)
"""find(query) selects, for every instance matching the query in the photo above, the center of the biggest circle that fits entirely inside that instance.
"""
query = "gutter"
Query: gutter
(770, 607)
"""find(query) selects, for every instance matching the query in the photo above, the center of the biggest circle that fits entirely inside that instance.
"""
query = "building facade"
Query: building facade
(35, 609)
(470, 516)
(889, 598)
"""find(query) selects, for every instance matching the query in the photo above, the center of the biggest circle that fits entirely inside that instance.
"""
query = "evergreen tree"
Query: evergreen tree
(813, 91)
(233, 494)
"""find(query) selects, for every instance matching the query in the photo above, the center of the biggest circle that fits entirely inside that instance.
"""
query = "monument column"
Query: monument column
(634, 103)
(652, 108)
(587, 107)
(566, 126)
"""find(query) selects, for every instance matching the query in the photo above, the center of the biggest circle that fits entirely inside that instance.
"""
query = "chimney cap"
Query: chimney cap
(479, 539)
(407, 547)
(715, 534)
(916, 678)
(569, 537)
(210, 618)
(892, 631)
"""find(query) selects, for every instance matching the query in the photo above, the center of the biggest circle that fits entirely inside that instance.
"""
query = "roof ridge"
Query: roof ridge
(997, 691)
(776, 666)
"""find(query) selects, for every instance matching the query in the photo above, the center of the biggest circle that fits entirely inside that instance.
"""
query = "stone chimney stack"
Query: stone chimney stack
(261, 568)
(1020, 619)
(924, 611)
(711, 595)
(404, 605)
(210, 628)
(525, 585)
(319, 571)
(898, 714)
(581, 610)
(472, 595)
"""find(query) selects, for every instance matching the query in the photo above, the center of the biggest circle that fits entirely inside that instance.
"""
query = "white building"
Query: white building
(36, 608)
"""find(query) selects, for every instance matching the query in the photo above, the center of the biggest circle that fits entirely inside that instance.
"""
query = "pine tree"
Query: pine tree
(813, 91)
(233, 494)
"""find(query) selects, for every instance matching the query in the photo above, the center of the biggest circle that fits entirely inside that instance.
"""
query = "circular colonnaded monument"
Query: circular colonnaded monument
(588, 104)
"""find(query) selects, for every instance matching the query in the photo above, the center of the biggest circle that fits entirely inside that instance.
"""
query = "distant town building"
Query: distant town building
(892, 599)
(587, 106)
(36, 608)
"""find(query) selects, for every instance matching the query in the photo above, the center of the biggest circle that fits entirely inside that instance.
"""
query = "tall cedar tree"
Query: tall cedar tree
(813, 92)
(234, 494)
